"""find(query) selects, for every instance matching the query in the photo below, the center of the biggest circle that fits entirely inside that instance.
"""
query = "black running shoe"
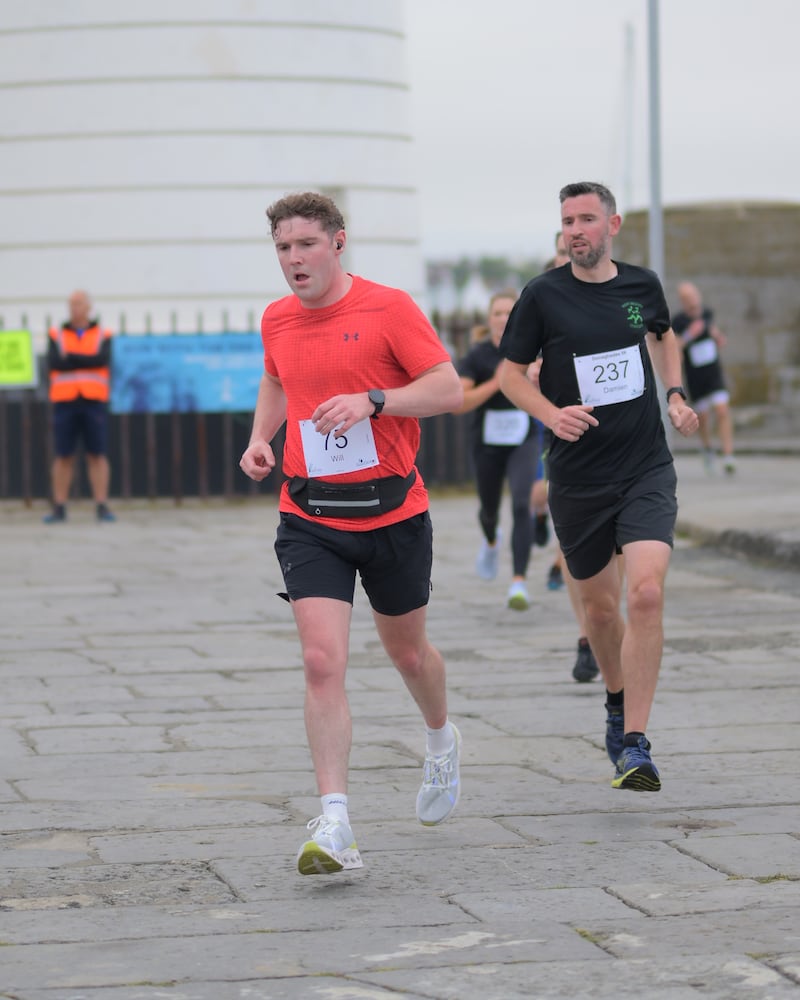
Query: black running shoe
(585, 668)
(555, 578)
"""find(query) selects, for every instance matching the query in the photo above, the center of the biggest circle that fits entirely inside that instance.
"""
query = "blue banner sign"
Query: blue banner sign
(185, 373)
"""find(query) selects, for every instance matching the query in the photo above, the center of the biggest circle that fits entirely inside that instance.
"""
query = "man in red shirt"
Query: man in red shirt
(350, 366)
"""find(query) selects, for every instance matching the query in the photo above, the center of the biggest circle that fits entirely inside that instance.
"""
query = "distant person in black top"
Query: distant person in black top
(504, 444)
(612, 480)
(701, 339)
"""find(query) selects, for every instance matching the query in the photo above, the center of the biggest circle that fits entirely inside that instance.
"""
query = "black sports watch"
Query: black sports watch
(378, 400)
(680, 391)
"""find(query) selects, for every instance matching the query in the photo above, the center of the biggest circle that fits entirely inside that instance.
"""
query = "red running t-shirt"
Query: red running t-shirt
(375, 337)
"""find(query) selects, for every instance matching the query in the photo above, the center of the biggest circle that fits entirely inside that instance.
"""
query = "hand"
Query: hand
(694, 329)
(339, 413)
(257, 461)
(682, 417)
(572, 422)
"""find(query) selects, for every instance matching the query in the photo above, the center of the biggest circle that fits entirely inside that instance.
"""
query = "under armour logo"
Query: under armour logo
(349, 336)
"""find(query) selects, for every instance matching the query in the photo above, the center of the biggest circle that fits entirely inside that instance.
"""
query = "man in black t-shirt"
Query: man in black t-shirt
(701, 339)
(612, 481)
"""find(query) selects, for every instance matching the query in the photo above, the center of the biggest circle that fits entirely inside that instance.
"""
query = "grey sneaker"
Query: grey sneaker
(488, 559)
(331, 849)
(441, 785)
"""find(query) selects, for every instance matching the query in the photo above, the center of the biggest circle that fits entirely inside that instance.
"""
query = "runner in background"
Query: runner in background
(701, 340)
(505, 445)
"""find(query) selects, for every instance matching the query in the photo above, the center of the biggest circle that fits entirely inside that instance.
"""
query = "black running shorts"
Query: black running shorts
(394, 562)
(594, 522)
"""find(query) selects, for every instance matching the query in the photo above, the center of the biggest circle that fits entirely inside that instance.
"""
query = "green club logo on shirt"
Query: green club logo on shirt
(634, 314)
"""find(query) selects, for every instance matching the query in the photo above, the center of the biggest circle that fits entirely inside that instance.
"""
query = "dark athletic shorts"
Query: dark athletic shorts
(80, 419)
(594, 522)
(394, 562)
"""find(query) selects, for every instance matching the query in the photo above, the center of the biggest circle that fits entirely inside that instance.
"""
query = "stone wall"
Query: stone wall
(745, 258)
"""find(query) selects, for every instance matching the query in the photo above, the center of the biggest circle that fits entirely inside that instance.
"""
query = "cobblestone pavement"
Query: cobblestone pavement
(155, 781)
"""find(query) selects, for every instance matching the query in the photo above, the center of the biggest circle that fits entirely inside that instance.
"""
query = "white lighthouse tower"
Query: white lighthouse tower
(141, 143)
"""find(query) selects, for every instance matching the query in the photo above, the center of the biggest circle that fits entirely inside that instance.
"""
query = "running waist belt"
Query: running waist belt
(325, 499)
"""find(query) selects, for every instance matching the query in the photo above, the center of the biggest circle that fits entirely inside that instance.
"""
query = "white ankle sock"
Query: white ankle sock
(440, 741)
(334, 804)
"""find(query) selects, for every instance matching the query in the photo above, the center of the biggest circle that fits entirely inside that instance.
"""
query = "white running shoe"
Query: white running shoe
(488, 559)
(518, 598)
(331, 849)
(441, 785)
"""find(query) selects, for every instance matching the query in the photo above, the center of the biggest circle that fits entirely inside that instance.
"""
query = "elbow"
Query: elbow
(456, 399)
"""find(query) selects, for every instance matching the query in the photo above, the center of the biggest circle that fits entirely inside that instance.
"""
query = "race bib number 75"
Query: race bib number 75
(327, 455)
(610, 377)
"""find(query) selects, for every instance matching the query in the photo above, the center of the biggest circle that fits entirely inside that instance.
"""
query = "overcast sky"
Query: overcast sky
(511, 99)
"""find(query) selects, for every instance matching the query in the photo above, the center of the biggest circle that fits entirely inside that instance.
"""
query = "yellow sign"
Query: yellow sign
(17, 363)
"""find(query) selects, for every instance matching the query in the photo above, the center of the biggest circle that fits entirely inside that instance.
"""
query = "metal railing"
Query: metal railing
(179, 454)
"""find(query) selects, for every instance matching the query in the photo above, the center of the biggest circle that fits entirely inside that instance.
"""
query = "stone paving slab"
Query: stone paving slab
(766, 856)
(214, 844)
(765, 932)
(255, 956)
(717, 976)
(673, 899)
(193, 917)
(295, 988)
(666, 825)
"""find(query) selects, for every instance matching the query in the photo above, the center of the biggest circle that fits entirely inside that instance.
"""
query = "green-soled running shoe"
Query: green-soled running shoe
(331, 849)
(636, 770)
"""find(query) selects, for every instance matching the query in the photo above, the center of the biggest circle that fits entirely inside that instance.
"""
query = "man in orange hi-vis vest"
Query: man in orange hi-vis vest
(79, 357)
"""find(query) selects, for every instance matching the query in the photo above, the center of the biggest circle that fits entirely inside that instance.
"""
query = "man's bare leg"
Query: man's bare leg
(323, 625)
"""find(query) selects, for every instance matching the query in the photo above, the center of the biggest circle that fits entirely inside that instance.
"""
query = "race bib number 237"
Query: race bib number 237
(610, 377)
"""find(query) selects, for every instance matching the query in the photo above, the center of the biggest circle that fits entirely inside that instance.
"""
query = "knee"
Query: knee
(409, 660)
(521, 511)
(600, 614)
(645, 599)
(322, 667)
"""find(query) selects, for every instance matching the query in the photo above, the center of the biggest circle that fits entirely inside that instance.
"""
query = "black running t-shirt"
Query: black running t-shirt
(479, 365)
(592, 339)
(700, 357)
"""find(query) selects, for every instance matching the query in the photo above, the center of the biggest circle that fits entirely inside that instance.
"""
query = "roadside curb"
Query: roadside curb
(762, 546)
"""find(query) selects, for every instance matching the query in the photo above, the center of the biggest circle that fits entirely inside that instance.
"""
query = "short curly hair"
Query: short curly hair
(306, 205)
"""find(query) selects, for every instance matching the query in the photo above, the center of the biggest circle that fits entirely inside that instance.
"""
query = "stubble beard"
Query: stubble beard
(589, 258)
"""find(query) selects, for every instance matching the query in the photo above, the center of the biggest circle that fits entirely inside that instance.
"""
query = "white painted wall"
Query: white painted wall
(141, 143)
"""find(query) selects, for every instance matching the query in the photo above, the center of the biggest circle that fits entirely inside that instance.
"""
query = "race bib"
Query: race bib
(509, 427)
(610, 377)
(703, 352)
(327, 455)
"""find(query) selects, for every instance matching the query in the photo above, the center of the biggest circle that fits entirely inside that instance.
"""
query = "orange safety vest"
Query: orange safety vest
(90, 383)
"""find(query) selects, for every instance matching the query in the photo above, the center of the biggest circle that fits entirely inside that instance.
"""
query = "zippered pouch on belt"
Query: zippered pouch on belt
(368, 499)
